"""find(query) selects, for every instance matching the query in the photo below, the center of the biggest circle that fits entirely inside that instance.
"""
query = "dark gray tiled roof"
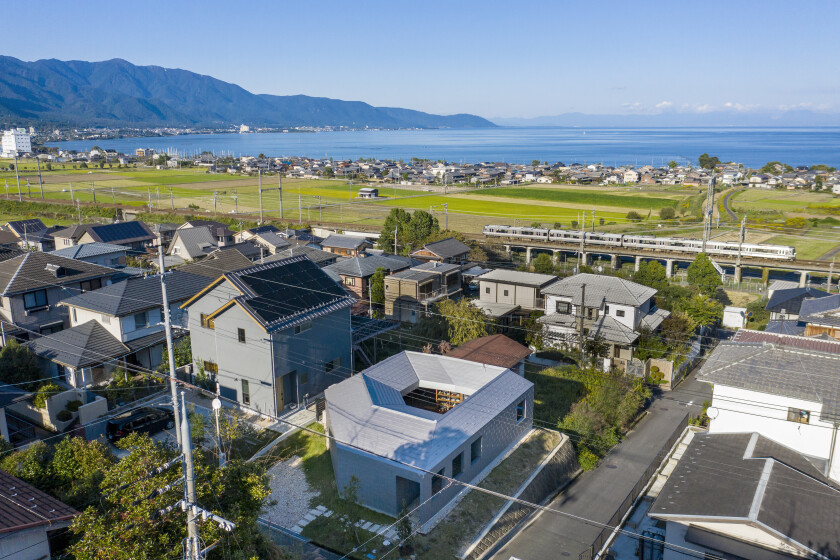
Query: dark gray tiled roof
(271, 238)
(447, 248)
(73, 232)
(84, 345)
(518, 277)
(785, 326)
(88, 250)
(344, 241)
(749, 479)
(600, 289)
(217, 263)
(195, 242)
(319, 257)
(362, 267)
(136, 294)
(777, 370)
(245, 248)
(434, 266)
(29, 508)
(791, 299)
(284, 293)
(820, 305)
(29, 272)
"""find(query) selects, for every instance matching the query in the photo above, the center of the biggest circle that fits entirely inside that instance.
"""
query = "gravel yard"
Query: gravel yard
(291, 492)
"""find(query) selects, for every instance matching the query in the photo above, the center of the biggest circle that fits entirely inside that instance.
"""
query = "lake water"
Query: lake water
(611, 146)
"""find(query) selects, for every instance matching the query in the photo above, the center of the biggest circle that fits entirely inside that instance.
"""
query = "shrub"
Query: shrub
(634, 216)
(667, 213)
(64, 415)
(587, 459)
(44, 392)
(73, 406)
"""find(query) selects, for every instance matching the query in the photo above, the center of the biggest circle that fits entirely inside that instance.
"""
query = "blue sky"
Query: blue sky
(497, 59)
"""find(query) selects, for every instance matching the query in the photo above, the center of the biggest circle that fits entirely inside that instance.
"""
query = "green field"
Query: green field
(789, 203)
(807, 248)
(590, 196)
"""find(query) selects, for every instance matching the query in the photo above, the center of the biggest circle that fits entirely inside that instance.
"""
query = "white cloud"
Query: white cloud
(664, 105)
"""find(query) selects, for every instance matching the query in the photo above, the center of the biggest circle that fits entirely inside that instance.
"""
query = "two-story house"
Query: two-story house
(135, 235)
(409, 293)
(787, 392)
(505, 294)
(610, 308)
(32, 285)
(345, 245)
(355, 273)
(448, 250)
(784, 304)
(273, 333)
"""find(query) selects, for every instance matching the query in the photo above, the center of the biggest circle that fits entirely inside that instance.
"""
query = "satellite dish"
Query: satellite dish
(217, 404)
(712, 412)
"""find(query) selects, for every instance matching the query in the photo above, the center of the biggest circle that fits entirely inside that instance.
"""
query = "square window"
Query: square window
(303, 378)
(520, 411)
(89, 285)
(564, 307)
(799, 416)
(303, 327)
(241, 334)
(141, 320)
(506, 293)
(35, 299)
(475, 450)
(73, 314)
(349, 281)
(458, 464)
(619, 313)
(332, 365)
(105, 319)
(211, 367)
(487, 290)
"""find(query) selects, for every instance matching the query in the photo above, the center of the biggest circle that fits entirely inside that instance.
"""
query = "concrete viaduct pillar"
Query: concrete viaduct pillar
(584, 259)
(638, 263)
(555, 257)
(738, 274)
(507, 249)
(669, 268)
(615, 262)
(527, 255)
(803, 278)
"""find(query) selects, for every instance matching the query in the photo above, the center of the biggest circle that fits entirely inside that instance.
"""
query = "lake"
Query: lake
(611, 146)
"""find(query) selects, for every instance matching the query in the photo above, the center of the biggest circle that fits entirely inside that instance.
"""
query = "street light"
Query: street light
(217, 406)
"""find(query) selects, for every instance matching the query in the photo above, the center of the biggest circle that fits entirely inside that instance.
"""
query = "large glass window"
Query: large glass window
(246, 392)
(564, 307)
(93, 284)
(141, 320)
(35, 299)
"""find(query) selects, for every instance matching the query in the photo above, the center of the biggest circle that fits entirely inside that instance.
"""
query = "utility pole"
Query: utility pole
(300, 207)
(20, 194)
(319, 209)
(157, 192)
(593, 221)
(150, 198)
(169, 347)
(192, 549)
(236, 200)
(28, 189)
(113, 196)
(396, 227)
(93, 190)
(582, 236)
(710, 208)
(71, 192)
(259, 175)
(215, 195)
(830, 273)
(580, 323)
(280, 192)
(741, 237)
(171, 198)
(40, 183)
(17, 172)
(217, 406)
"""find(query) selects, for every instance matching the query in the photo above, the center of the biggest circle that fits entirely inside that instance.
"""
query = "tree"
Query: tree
(420, 227)
(651, 274)
(535, 163)
(703, 310)
(464, 320)
(708, 162)
(818, 182)
(18, 364)
(398, 220)
(634, 216)
(667, 213)
(543, 264)
(405, 531)
(703, 274)
(377, 286)
(677, 329)
(182, 350)
(672, 164)
(328, 172)
(594, 348)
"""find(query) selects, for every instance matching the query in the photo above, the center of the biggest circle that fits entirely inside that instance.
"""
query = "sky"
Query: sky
(523, 58)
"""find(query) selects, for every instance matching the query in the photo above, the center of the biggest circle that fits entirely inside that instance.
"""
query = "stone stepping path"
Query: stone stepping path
(320, 511)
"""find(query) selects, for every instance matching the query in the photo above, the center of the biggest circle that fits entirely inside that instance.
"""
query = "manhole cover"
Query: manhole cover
(611, 466)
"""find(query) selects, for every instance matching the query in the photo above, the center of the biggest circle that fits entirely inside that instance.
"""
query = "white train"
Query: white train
(673, 244)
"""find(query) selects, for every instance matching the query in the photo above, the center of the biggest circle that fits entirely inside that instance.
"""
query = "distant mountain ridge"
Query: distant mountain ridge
(118, 93)
(791, 118)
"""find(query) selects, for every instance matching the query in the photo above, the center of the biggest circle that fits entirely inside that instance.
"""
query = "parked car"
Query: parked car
(148, 420)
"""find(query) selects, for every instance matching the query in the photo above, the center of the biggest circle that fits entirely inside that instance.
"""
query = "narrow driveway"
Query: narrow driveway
(597, 495)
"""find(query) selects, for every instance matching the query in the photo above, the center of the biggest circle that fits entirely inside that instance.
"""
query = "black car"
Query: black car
(148, 420)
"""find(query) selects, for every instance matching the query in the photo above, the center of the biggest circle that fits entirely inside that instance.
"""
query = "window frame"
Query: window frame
(566, 305)
(349, 281)
(620, 313)
(437, 481)
(90, 285)
(303, 327)
(473, 455)
(36, 304)
(520, 411)
(798, 415)
(459, 461)
(246, 392)
(145, 315)
(240, 333)
(212, 367)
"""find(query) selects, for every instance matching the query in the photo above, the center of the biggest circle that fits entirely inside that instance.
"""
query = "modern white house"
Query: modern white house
(789, 393)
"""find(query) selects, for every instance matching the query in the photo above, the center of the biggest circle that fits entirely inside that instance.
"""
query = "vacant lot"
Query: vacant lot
(792, 203)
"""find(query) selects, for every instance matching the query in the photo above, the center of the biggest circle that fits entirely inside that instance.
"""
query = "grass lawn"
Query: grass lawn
(806, 248)
(245, 447)
(784, 201)
(553, 394)
(741, 299)
(621, 199)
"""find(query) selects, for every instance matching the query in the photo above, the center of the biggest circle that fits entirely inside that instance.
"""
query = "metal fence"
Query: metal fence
(628, 501)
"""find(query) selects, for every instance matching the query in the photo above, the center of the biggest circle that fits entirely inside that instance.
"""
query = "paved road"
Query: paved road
(726, 207)
(597, 495)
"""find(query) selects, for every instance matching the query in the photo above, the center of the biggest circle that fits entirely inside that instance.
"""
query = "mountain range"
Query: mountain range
(118, 93)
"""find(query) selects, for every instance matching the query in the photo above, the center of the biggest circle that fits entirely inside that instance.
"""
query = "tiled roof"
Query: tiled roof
(29, 272)
(777, 370)
(368, 409)
(136, 294)
(195, 242)
(216, 263)
(73, 232)
(271, 238)
(791, 299)
(518, 277)
(88, 250)
(84, 345)
(820, 305)
(775, 489)
(785, 326)
(23, 506)
(446, 248)
(285, 293)
(802, 342)
(344, 241)
(495, 350)
(437, 267)
(600, 289)
(362, 267)
(315, 255)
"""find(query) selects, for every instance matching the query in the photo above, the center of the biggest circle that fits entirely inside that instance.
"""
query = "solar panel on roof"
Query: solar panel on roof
(120, 231)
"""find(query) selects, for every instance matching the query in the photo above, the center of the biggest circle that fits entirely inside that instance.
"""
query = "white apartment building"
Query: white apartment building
(16, 141)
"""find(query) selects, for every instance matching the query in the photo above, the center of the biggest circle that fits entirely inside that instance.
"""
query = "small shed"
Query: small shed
(368, 192)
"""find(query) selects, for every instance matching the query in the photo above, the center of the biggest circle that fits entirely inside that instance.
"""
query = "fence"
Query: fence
(628, 501)
(558, 471)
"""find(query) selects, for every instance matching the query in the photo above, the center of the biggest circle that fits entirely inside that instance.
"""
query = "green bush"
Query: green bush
(44, 392)
(587, 460)
(64, 415)
(73, 406)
